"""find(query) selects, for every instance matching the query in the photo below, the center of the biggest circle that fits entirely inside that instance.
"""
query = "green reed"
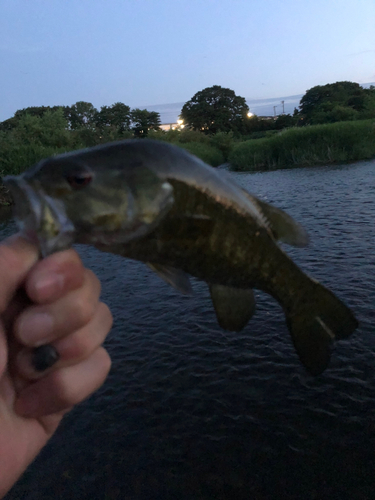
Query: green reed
(307, 146)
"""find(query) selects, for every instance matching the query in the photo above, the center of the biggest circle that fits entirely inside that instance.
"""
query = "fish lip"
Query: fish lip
(32, 208)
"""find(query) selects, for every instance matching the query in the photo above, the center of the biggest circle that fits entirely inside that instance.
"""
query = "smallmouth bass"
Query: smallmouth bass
(156, 203)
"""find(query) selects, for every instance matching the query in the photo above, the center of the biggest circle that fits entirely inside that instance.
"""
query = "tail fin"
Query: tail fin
(315, 323)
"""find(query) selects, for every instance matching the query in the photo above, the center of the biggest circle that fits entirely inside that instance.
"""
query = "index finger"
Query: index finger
(54, 276)
(17, 257)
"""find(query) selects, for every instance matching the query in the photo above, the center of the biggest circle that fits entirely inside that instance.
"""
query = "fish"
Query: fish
(156, 203)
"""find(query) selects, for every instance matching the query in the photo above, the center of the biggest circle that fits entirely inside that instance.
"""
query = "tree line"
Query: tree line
(115, 119)
(217, 109)
(36, 132)
(211, 110)
(214, 119)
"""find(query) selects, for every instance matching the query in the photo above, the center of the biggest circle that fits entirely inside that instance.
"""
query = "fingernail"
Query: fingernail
(32, 362)
(49, 283)
(35, 328)
(44, 357)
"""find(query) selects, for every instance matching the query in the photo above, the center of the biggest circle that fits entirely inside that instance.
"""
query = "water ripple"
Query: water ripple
(190, 411)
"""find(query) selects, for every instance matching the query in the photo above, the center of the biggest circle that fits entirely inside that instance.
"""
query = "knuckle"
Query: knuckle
(65, 395)
(89, 339)
(82, 346)
(106, 315)
(106, 363)
(94, 281)
(85, 308)
(69, 394)
(63, 257)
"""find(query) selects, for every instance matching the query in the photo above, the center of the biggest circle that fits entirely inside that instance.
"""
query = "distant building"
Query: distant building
(168, 126)
(179, 125)
(172, 126)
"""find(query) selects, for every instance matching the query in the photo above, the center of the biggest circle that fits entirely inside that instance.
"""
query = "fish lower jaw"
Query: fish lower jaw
(50, 245)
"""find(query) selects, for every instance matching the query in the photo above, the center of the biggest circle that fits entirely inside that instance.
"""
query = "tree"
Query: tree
(143, 121)
(48, 129)
(8, 124)
(81, 115)
(325, 103)
(369, 103)
(215, 109)
(258, 126)
(34, 137)
(36, 111)
(116, 116)
(284, 121)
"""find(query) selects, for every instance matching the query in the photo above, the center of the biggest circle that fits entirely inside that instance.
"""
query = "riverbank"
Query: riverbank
(339, 142)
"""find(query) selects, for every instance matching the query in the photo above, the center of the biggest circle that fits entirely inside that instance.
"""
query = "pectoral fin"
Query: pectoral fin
(234, 307)
(174, 277)
(283, 227)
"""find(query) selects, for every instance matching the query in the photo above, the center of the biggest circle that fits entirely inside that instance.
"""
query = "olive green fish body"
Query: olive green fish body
(190, 238)
(158, 204)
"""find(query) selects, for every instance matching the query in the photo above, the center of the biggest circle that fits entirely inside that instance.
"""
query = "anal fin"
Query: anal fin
(234, 307)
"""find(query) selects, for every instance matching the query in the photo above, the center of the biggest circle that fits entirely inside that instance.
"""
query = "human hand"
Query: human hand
(54, 301)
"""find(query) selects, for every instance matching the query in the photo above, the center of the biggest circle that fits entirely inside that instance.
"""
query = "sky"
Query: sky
(149, 52)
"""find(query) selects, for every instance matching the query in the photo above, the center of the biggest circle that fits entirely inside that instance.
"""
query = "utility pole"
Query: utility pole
(274, 110)
(282, 102)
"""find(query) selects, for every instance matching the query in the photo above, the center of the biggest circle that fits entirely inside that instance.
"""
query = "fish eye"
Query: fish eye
(79, 180)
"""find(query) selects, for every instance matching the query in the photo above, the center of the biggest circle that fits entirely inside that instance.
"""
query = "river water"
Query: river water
(190, 411)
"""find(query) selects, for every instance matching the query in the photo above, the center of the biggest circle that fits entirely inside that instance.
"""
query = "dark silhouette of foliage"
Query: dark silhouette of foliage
(116, 116)
(33, 138)
(37, 111)
(215, 109)
(338, 101)
(143, 121)
(256, 124)
(285, 121)
(81, 115)
(37, 132)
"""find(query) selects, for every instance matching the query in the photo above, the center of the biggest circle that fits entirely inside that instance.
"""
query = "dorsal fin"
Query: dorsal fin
(282, 226)
(177, 278)
(234, 307)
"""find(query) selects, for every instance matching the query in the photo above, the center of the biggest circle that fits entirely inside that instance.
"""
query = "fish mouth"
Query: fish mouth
(40, 218)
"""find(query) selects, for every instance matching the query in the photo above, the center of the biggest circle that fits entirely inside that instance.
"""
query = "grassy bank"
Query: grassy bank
(31, 142)
(35, 139)
(18, 154)
(307, 146)
(213, 150)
